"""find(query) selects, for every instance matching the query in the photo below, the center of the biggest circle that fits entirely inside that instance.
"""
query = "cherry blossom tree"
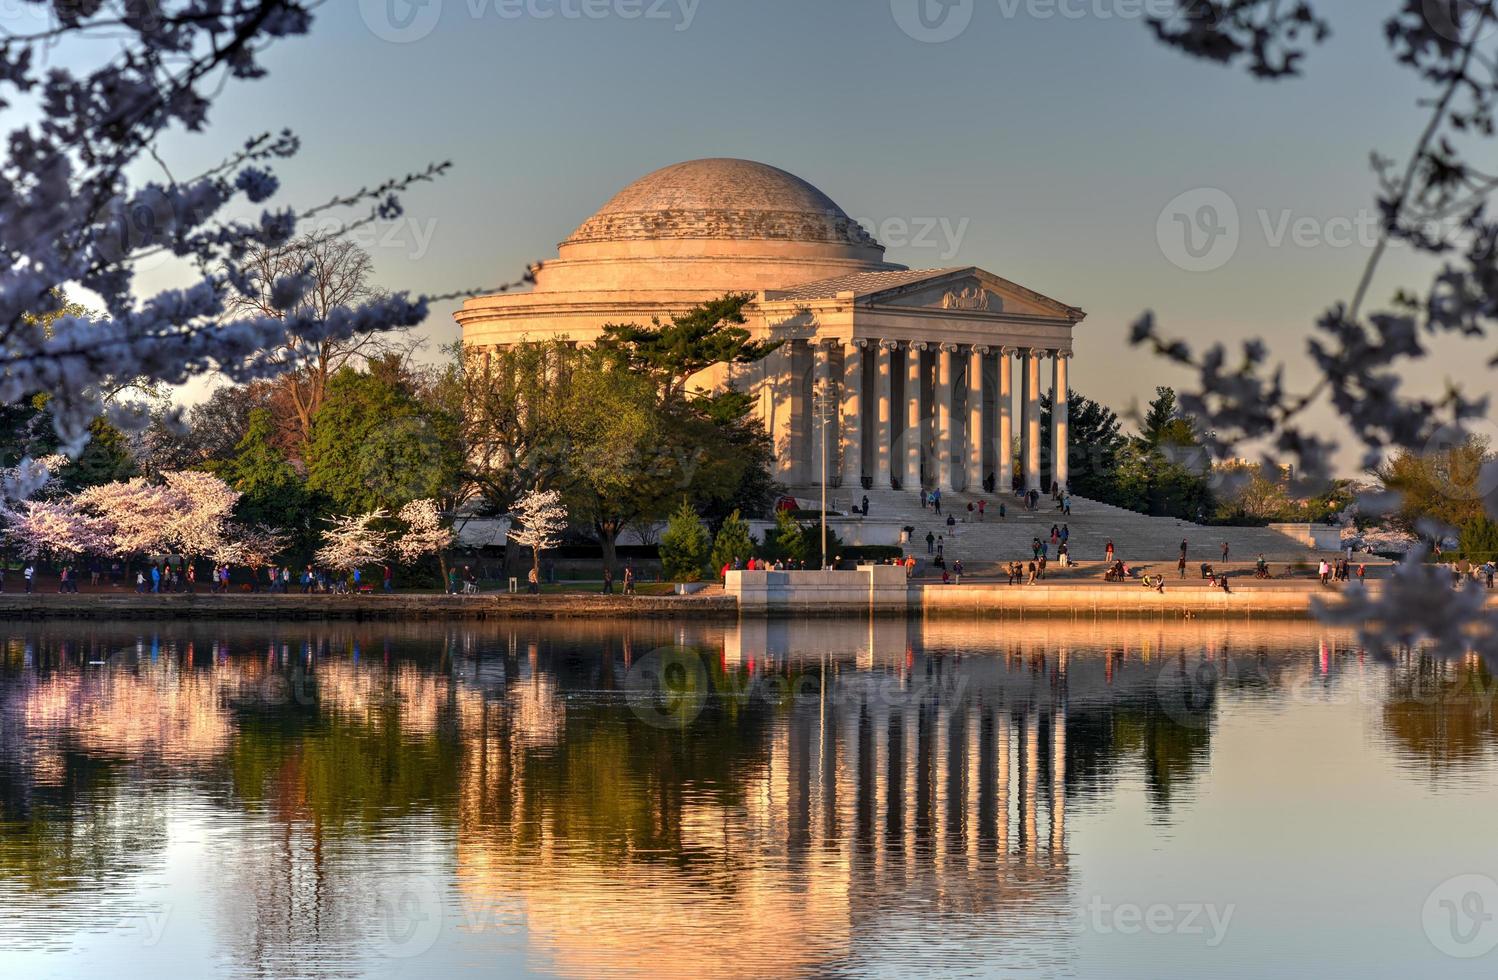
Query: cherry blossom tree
(540, 520)
(134, 516)
(201, 505)
(353, 542)
(79, 209)
(39, 527)
(254, 547)
(424, 534)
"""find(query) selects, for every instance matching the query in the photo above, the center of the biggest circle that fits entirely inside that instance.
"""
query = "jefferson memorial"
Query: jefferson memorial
(912, 368)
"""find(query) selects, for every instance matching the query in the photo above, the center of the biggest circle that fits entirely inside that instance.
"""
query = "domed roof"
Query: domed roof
(722, 199)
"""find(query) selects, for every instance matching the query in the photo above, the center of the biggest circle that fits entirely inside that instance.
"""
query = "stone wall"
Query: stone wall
(870, 587)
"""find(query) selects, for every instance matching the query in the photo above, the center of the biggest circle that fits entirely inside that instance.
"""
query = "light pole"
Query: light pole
(825, 405)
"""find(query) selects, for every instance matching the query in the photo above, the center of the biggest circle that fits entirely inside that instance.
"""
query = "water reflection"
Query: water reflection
(634, 799)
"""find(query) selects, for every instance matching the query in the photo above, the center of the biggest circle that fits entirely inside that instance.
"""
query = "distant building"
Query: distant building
(920, 361)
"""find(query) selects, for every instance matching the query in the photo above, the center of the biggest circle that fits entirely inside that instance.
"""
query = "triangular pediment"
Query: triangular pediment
(971, 291)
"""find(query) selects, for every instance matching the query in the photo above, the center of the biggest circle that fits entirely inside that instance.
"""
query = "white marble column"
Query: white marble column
(945, 444)
(1006, 420)
(976, 358)
(1060, 418)
(884, 432)
(1032, 419)
(853, 414)
(822, 393)
(914, 417)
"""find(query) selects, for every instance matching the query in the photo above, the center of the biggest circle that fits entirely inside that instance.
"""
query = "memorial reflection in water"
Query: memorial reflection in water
(772, 797)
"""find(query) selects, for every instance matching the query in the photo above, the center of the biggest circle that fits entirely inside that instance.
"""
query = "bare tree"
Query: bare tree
(337, 273)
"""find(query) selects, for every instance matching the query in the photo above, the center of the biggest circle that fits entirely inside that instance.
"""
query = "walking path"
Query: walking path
(1136, 537)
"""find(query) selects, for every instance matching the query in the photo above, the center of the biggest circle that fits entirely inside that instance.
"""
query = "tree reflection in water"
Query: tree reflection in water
(838, 783)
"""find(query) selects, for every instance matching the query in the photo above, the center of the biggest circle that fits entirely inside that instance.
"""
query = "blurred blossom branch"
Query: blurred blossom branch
(70, 215)
(1437, 204)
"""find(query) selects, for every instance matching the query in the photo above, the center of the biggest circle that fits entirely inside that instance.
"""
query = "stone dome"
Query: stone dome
(722, 199)
(707, 227)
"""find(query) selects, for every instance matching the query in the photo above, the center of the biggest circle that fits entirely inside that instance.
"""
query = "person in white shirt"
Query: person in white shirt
(29, 574)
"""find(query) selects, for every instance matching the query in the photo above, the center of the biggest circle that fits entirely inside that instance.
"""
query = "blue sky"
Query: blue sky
(1051, 137)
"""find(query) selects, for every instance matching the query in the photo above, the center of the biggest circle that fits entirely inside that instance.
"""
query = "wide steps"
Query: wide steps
(1136, 537)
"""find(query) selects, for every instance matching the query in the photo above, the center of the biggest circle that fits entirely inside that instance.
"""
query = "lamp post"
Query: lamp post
(825, 407)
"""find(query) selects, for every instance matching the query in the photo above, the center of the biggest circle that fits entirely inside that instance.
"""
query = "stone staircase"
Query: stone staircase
(1136, 537)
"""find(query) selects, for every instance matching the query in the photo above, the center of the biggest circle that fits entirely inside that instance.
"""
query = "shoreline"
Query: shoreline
(980, 600)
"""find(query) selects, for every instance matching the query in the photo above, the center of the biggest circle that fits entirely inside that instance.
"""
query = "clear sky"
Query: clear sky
(1042, 143)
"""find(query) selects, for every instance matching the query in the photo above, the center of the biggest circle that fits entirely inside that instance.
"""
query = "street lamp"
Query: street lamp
(824, 408)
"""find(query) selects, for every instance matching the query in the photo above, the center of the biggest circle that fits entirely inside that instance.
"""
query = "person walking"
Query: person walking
(629, 579)
(941, 548)
(1108, 552)
(1323, 570)
(1003, 511)
(1181, 564)
(1225, 552)
(982, 507)
(608, 579)
(388, 577)
(1183, 549)
(532, 578)
(957, 571)
(29, 574)
(865, 510)
(930, 543)
(156, 579)
(936, 501)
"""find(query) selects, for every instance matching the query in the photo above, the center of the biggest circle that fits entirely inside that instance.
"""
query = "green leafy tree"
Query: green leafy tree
(733, 542)
(685, 545)
(274, 494)
(375, 445)
(1094, 441)
(670, 353)
(787, 540)
(105, 459)
(1445, 485)
(621, 463)
(1479, 539)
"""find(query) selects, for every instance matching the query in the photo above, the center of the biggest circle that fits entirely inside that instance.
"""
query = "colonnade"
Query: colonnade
(916, 414)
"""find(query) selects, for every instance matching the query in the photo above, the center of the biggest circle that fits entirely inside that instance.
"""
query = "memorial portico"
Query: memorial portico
(915, 368)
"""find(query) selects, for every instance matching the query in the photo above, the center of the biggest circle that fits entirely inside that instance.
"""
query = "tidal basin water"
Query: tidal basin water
(1084, 798)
